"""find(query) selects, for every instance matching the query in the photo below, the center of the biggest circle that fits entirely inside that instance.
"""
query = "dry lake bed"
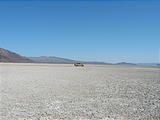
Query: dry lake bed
(61, 91)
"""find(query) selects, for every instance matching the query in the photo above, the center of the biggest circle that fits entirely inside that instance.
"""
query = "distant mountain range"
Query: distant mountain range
(45, 59)
(148, 64)
(125, 63)
(8, 56)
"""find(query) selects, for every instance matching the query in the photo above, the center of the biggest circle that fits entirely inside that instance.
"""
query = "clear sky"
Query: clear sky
(91, 30)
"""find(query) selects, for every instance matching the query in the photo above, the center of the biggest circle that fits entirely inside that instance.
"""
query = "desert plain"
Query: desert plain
(62, 91)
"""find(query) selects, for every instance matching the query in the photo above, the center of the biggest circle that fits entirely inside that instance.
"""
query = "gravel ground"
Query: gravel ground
(47, 91)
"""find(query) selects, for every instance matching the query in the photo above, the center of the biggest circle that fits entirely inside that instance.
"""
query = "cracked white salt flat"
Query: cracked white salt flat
(53, 91)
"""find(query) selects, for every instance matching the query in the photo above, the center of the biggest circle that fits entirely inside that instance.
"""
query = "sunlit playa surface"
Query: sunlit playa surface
(51, 91)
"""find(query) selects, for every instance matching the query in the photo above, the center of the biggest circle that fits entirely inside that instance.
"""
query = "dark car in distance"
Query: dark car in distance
(78, 65)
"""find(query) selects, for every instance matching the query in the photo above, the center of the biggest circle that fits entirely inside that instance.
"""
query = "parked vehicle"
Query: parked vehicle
(79, 65)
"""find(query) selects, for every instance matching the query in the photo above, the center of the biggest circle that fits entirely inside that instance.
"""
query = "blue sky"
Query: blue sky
(92, 30)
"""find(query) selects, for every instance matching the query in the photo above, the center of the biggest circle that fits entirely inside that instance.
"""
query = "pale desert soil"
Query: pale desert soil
(46, 91)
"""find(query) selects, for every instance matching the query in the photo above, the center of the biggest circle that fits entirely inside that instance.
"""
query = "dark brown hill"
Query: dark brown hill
(8, 56)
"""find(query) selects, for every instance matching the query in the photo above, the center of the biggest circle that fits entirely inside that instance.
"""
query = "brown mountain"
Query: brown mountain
(8, 56)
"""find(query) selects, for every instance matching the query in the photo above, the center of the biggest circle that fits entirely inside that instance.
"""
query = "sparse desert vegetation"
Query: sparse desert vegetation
(50, 91)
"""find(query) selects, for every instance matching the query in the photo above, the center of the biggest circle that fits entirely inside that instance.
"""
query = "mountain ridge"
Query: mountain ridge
(8, 56)
(51, 59)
